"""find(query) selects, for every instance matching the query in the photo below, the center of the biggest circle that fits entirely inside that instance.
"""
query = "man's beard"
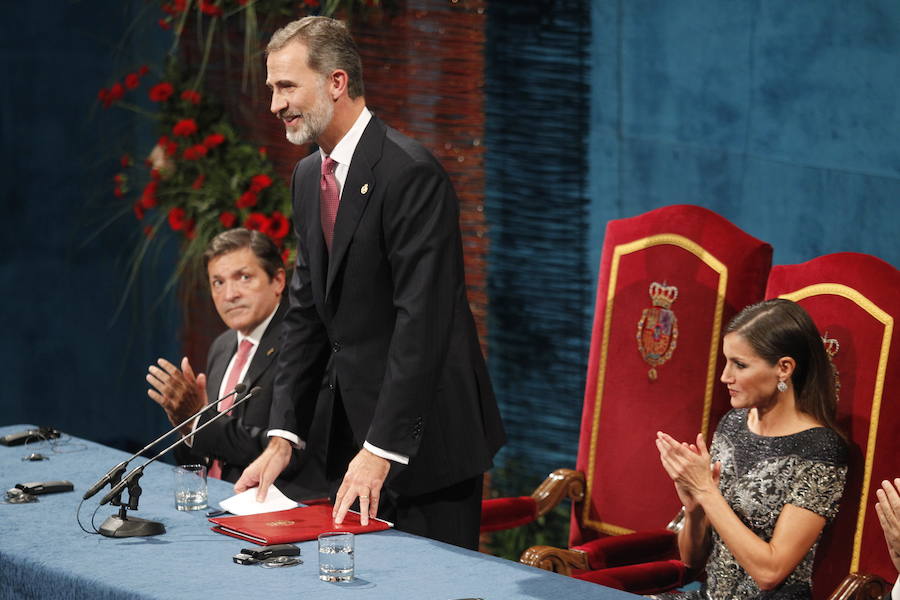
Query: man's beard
(314, 122)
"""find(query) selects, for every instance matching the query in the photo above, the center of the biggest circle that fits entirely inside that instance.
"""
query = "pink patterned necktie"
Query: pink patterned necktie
(329, 197)
(215, 469)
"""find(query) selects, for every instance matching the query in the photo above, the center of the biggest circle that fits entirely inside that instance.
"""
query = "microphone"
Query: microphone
(116, 471)
(136, 473)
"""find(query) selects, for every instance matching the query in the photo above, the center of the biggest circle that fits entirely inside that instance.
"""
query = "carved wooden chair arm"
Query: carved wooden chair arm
(561, 483)
(553, 559)
(860, 586)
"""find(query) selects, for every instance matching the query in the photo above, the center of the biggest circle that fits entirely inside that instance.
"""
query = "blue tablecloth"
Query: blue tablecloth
(44, 554)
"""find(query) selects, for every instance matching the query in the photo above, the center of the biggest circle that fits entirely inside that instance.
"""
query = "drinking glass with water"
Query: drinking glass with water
(190, 487)
(336, 556)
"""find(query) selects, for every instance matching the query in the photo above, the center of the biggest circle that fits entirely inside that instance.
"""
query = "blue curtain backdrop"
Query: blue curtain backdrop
(537, 102)
(781, 116)
(68, 362)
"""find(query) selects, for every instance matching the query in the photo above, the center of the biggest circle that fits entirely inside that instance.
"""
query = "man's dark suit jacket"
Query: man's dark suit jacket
(237, 439)
(387, 310)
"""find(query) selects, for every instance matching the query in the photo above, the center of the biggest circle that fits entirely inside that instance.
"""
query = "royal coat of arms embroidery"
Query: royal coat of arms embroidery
(657, 331)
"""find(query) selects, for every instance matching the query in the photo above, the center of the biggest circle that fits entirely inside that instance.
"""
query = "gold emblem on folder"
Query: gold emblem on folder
(280, 523)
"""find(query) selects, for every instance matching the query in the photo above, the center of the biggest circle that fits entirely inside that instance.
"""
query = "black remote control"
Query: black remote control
(29, 435)
(45, 487)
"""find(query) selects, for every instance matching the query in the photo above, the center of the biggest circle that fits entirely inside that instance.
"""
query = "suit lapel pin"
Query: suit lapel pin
(364, 189)
(270, 352)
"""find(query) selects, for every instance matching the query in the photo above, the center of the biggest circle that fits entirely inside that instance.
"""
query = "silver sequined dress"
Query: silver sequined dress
(761, 474)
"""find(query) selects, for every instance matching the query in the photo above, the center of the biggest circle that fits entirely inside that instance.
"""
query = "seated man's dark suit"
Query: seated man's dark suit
(237, 439)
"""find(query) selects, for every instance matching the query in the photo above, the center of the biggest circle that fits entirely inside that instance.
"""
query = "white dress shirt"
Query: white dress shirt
(895, 593)
(254, 338)
(342, 154)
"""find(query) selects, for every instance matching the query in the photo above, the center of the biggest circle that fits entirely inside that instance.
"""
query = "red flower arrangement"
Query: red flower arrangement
(260, 182)
(116, 91)
(184, 128)
(177, 218)
(200, 178)
(228, 219)
(247, 200)
(194, 152)
(209, 8)
(161, 92)
(257, 221)
(213, 140)
(279, 226)
(191, 96)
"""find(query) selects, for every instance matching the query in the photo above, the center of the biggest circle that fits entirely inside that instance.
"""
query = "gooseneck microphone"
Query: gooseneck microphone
(131, 479)
(115, 473)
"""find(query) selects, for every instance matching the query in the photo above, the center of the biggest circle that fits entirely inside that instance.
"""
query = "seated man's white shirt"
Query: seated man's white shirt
(254, 338)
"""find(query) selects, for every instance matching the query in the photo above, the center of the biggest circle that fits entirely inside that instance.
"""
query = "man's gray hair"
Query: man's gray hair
(329, 48)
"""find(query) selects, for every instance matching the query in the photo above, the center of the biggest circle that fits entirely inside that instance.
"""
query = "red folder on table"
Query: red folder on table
(294, 525)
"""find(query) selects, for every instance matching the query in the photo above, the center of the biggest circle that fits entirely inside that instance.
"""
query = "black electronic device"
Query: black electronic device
(30, 435)
(270, 551)
(278, 555)
(46, 487)
(244, 559)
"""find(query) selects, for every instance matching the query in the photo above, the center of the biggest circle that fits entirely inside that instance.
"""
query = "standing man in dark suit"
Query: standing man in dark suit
(247, 279)
(378, 302)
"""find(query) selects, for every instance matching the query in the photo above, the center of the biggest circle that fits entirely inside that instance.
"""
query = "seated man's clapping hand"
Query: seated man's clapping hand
(179, 392)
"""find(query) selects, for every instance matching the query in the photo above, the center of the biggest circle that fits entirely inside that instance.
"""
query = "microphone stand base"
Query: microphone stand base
(119, 527)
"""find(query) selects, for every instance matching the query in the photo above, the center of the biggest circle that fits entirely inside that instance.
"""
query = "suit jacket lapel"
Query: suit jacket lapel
(358, 188)
(267, 351)
(217, 368)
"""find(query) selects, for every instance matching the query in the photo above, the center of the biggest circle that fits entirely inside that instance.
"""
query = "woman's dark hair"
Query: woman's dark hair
(235, 239)
(779, 328)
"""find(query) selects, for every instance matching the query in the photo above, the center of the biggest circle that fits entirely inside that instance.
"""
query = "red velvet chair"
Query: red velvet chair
(669, 281)
(854, 300)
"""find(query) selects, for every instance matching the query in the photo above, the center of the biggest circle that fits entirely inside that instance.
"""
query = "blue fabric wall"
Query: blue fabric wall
(781, 116)
(68, 363)
(537, 103)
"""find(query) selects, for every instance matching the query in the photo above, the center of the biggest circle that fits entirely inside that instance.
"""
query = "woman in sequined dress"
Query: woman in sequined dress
(754, 518)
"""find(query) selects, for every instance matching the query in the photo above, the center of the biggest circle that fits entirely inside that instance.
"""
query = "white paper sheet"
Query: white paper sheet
(245, 503)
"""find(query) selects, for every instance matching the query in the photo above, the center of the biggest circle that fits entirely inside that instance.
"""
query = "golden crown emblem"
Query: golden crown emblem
(663, 295)
(280, 523)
